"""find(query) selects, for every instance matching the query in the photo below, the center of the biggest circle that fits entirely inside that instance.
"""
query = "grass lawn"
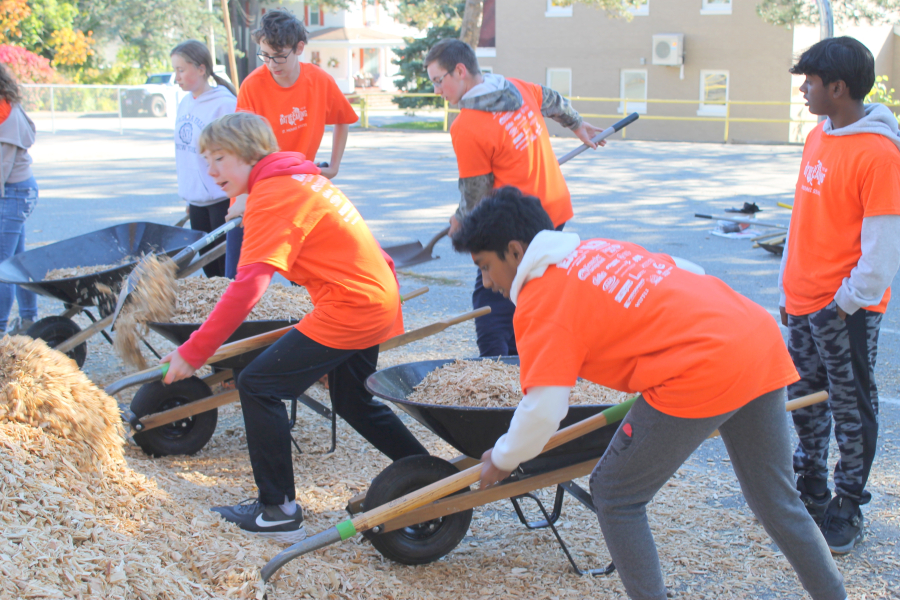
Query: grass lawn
(421, 125)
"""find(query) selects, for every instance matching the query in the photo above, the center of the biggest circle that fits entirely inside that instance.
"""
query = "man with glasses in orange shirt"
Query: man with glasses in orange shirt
(500, 138)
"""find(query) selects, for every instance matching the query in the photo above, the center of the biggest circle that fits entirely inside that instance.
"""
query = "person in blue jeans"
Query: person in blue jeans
(18, 197)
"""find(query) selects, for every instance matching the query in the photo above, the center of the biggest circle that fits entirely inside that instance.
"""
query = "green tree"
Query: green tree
(805, 12)
(149, 28)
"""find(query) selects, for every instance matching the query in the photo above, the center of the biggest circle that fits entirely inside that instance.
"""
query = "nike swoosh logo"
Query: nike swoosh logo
(262, 523)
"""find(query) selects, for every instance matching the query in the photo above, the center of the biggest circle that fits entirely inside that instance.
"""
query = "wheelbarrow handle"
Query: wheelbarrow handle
(270, 337)
(600, 137)
(430, 493)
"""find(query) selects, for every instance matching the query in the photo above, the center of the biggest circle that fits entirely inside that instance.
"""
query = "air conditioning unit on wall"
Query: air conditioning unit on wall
(668, 49)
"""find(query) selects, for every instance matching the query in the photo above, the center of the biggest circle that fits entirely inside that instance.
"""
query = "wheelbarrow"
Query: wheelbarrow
(180, 418)
(123, 244)
(419, 508)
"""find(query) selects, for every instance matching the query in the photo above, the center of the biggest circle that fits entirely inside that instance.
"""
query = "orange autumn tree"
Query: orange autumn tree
(12, 13)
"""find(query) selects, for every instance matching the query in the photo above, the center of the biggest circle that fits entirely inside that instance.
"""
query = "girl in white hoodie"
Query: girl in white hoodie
(206, 202)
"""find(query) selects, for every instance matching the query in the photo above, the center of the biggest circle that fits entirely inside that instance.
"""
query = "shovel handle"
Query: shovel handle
(600, 137)
(188, 252)
(747, 221)
(414, 294)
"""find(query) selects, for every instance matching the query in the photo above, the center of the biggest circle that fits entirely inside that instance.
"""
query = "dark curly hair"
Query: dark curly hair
(840, 59)
(500, 218)
(281, 30)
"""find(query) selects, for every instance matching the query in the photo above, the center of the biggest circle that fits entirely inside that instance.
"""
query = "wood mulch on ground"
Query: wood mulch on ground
(166, 544)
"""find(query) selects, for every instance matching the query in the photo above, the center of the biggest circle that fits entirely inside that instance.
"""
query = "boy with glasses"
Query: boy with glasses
(297, 99)
(500, 138)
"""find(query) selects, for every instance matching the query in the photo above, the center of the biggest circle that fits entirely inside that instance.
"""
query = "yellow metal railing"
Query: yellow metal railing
(726, 119)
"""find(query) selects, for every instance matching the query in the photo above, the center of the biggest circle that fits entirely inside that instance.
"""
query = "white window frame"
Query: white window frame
(557, 11)
(713, 110)
(715, 8)
(642, 11)
(564, 70)
(633, 105)
(485, 52)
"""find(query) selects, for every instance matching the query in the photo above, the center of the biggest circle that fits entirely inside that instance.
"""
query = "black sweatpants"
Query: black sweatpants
(285, 370)
(206, 219)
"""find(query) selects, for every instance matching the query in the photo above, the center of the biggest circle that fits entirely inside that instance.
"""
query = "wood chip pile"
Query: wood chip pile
(153, 299)
(44, 388)
(197, 296)
(494, 384)
(68, 272)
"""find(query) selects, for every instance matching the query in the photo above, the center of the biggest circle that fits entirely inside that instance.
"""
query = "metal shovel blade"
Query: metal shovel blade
(413, 253)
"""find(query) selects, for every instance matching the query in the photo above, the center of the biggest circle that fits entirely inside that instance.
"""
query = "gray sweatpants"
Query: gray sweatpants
(650, 446)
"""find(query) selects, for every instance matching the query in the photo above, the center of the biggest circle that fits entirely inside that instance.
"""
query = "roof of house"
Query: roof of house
(353, 35)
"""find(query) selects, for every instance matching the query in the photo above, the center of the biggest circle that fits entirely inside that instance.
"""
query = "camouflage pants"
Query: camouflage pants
(838, 356)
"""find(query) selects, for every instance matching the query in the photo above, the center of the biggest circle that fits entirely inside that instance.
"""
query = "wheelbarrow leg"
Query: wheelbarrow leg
(550, 521)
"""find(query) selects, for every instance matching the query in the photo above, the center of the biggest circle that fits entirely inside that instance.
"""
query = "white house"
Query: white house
(355, 46)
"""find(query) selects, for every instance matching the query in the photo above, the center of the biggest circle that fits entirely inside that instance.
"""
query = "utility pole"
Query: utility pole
(826, 19)
(211, 42)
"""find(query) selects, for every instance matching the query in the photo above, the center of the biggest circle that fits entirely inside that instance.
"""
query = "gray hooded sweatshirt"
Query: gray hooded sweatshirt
(496, 94)
(880, 235)
(17, 134)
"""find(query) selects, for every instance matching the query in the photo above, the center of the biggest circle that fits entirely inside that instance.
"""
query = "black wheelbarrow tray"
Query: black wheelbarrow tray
(430, 532)
(120, 245)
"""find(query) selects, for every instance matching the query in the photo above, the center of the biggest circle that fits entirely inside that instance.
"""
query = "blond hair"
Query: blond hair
(247, 136)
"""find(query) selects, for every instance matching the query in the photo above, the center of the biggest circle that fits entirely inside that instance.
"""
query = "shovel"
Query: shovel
(181, 259)
(395, 508)
(413, 253)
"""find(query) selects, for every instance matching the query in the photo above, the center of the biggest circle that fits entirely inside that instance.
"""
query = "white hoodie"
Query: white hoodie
(195, 185)
(879, 236)
(542, 409)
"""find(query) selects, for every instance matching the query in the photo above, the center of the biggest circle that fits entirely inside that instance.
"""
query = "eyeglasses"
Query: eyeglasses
(437, 82)
(278, 60)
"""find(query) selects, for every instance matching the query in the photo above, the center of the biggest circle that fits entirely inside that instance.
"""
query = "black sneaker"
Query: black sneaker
(842, 525)
(815, 496)
(268, 521)
(816, 506)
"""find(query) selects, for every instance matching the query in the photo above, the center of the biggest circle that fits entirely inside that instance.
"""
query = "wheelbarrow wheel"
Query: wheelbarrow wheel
(55, 330)
(185, 436)
(426, 542)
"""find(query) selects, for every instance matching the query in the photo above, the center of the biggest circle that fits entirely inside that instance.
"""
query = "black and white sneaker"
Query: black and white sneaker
(268, 521)
(842, 525)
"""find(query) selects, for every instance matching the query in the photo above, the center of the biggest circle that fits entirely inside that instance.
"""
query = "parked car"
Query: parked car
(157, 93)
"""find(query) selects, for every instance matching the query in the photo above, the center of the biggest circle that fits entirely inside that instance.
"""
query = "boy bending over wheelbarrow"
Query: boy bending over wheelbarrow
(300, 225)
(702, 356)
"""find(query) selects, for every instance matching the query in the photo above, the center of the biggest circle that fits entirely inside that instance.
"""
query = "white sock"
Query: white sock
(289, 507)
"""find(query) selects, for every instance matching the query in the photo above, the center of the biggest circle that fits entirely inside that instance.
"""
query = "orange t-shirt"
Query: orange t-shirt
(843, 179)
(310, 232)
(515, 147)
(615, 314)
(5, 109)
(298, 114)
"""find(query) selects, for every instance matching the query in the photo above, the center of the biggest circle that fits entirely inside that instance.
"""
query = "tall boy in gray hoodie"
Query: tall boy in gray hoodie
(841, 254)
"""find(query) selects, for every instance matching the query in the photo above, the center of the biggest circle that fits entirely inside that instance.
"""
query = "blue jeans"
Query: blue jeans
(18, 203)
(494, 332)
